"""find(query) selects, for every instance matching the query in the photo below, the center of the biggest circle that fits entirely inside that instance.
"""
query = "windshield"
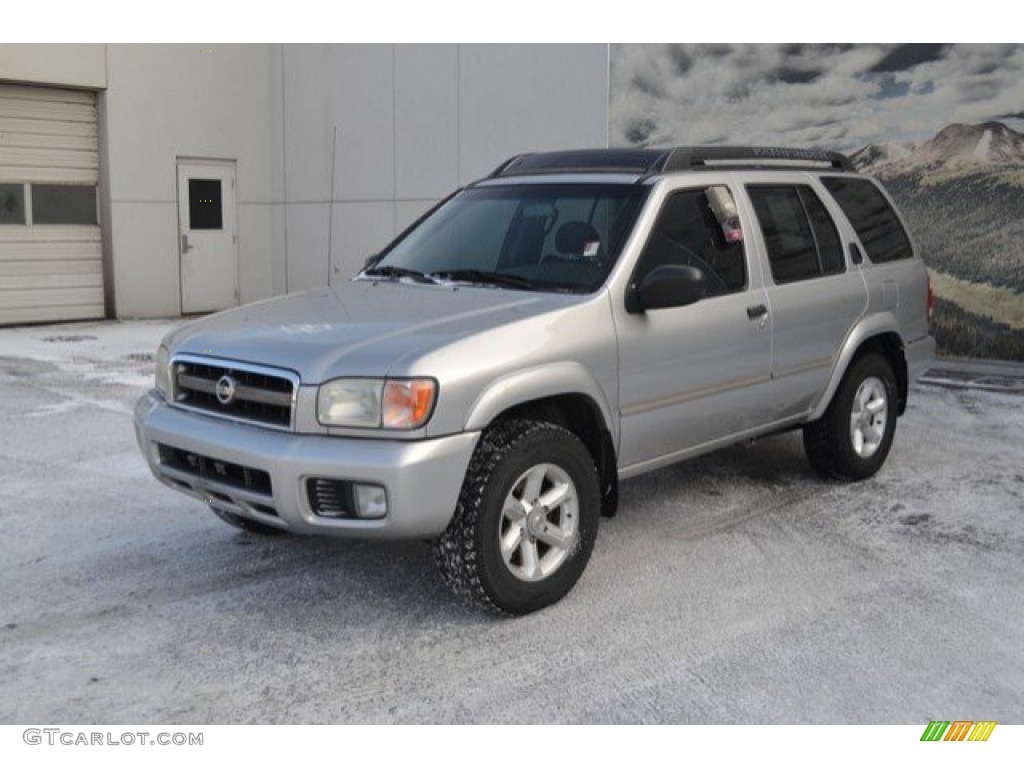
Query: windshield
(548, 237)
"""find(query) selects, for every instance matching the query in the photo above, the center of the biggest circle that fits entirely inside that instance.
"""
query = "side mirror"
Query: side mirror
(672, 285)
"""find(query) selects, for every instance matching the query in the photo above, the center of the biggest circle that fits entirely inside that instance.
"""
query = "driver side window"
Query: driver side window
(700, 228)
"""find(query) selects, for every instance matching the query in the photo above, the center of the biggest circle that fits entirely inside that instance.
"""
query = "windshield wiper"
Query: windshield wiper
(388, 270)
(487, 278)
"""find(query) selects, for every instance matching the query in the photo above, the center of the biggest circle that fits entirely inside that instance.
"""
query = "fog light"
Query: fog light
(371, 501)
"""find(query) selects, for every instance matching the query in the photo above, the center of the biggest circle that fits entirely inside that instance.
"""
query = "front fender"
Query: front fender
(537, 383)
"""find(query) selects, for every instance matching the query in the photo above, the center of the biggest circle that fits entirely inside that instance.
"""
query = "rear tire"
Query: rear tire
(852, 439)
(526, 519)
(245, 523)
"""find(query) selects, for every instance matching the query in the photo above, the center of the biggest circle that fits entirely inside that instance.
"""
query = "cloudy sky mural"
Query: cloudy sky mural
(840, 96)
(959, 187)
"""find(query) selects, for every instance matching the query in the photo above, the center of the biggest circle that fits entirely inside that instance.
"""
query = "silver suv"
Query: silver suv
(571, 320)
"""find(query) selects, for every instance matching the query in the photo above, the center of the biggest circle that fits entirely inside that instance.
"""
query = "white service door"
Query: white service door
(207, 236)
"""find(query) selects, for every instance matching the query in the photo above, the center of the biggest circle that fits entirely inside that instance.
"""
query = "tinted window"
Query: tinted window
(830, 250)
(63, 204)
(787, 233)
(872, 217)
(800, 236)
(12, 204)
(700, 228)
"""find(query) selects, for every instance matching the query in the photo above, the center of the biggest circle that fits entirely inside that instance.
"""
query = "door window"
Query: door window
(204, 204)
(801, 240)
(699, 228)
(12, 204)
(63, 204)
(51, 204)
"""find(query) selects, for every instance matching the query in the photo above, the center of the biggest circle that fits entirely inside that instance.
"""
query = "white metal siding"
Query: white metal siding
(49, 272)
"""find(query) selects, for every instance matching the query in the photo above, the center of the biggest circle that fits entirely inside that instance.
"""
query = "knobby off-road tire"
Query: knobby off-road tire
(852, 439)
(526, 519)
(245, 523)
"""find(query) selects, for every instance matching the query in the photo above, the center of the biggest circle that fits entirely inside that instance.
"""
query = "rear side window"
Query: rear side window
(801, 239)
(874, 220)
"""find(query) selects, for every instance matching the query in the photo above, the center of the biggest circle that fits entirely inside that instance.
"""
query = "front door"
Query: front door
(693, 375)
(206, 235)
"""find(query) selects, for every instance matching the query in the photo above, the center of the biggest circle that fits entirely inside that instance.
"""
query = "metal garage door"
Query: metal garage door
(50, 247)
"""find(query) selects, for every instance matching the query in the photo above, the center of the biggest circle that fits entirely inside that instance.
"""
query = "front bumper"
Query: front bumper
(422, 478)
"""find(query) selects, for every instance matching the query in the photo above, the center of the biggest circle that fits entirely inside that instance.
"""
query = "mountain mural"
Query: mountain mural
(962, 193)
(955, 150)
(939, 124)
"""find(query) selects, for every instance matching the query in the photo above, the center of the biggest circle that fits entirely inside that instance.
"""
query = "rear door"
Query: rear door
(815, 296)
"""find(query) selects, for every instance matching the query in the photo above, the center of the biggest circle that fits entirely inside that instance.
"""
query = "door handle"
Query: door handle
(186, 246)
(756, 311)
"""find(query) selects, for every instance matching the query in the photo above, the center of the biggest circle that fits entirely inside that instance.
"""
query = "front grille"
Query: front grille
(235, 390)
(224, 472)
(330, 498)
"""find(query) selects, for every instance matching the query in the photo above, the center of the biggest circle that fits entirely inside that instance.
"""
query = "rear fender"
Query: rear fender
(875, 325)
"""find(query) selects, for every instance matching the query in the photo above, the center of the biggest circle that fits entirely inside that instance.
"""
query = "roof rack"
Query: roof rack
(696, 158)
(645, 162)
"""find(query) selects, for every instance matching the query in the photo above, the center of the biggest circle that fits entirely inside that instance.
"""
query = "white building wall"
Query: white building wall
(69, 66)
(413, 122)
(338, 147)
(169, 101)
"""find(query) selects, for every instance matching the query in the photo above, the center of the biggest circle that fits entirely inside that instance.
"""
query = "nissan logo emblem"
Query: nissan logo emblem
(225, 390)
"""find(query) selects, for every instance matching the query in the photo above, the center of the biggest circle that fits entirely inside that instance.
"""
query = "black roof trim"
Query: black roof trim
(649, 161)
(636, 161)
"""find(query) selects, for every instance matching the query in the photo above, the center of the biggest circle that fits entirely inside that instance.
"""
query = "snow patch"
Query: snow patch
(119, 465)
(981, 150)
(107, 340)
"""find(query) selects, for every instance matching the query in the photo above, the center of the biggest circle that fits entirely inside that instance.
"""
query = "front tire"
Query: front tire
(526, 520)
(852, 439)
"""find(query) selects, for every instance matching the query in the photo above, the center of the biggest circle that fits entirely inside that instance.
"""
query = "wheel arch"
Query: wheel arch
(878, 335)
(565, 395)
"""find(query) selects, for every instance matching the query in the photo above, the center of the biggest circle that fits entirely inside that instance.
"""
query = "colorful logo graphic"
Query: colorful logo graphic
(958, 730)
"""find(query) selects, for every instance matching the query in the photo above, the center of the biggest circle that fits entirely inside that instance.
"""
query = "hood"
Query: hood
(359, 328)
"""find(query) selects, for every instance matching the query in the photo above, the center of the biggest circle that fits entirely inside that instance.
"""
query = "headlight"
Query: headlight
(374, 403)
(350, 402)
(163, 372)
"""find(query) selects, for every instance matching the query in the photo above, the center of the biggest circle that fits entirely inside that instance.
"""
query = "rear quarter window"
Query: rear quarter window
(872, 217)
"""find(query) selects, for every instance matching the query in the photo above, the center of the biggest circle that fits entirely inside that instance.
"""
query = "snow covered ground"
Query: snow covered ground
(734, 588)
